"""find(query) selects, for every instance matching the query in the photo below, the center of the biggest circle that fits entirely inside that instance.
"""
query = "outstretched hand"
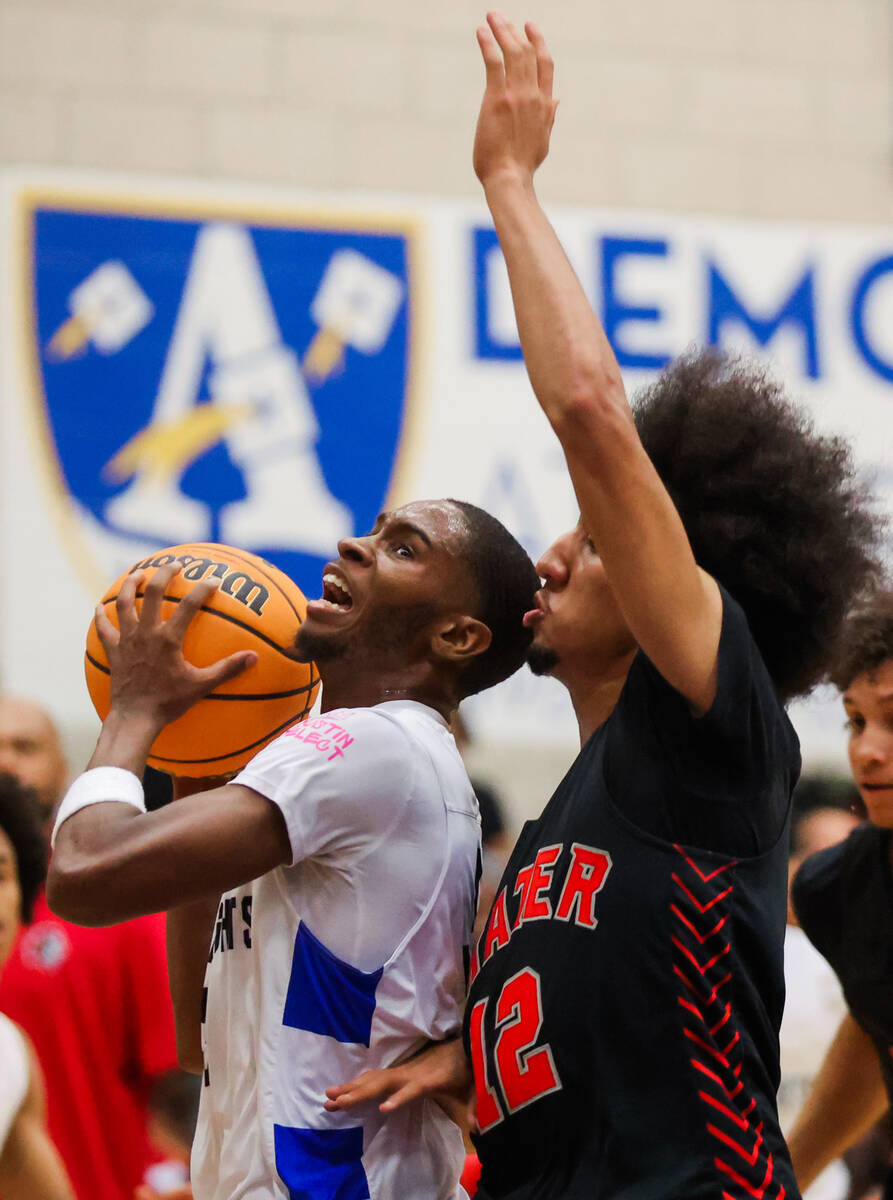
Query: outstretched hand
(517, 111)
(441, 1073)
(150, 677)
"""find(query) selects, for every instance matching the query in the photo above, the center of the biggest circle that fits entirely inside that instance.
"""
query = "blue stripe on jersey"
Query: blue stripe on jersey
(321, 1164)
(328, 996)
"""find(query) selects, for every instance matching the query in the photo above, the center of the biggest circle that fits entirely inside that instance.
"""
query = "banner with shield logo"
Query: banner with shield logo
(220, 379)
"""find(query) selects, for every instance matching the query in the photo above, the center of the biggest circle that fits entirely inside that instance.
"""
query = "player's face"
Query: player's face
(10, 897)
(577, 623)
(385, 589)
(869, 706)
(30, 750)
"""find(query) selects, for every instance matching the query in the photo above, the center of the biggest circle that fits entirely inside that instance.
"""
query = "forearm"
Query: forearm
(568, 357)
(112, 862)
(846, 1099)
(189, 928)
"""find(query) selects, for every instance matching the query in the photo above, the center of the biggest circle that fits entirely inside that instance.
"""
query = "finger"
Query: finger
(108, 634)
(228, 668)
(368, 1084)
(504, 32)
(410, 1091)
(520, 59)
(190, 605)
(125, 605)
(545, 68)
(155, 590)
(492, 57)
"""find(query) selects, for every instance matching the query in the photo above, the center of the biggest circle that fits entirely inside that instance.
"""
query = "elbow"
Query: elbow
(76, 892)
(593, 407)
(189, 1051)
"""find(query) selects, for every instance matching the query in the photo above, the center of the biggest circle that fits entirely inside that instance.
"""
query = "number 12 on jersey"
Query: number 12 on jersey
(525, 1072)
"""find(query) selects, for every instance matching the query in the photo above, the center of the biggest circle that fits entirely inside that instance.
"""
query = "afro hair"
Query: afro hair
(773, 510)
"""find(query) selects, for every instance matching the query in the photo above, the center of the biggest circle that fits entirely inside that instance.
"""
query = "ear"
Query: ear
(459, 639)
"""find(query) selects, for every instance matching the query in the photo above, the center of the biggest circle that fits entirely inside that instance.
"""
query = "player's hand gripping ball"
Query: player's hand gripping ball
(256, 608)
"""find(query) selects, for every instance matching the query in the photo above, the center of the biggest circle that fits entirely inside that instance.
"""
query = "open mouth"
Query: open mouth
(336, 593)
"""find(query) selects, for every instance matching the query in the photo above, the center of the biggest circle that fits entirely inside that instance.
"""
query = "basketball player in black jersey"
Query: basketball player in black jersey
(627, 989)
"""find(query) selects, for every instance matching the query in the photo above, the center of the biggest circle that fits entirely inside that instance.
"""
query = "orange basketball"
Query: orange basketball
(257, 608)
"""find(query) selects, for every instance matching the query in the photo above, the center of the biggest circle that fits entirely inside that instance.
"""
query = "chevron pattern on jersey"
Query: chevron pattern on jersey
(700, 909)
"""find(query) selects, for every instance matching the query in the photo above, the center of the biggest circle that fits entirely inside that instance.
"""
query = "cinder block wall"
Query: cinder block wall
(778, 108)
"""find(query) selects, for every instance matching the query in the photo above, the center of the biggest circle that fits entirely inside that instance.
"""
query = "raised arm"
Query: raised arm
(672, 607)
(113, 861)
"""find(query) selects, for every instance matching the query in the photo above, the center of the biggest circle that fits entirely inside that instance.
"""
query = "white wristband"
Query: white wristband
(96, 787)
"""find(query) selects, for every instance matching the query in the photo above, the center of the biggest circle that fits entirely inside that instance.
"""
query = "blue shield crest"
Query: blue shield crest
(220, 379)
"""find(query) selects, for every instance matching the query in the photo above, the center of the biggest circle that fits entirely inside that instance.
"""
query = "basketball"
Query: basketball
(257, 608)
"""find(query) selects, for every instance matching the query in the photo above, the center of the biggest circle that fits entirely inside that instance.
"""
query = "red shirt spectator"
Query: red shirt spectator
(96, 1006)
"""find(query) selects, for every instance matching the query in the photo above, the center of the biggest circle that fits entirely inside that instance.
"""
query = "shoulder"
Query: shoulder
(818, 888)
(344, 737)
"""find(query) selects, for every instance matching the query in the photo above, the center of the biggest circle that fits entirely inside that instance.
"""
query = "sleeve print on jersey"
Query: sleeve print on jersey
(700, 910)
(327, 736)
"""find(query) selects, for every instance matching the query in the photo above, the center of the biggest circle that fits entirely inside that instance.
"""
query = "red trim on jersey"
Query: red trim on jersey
(698, 942)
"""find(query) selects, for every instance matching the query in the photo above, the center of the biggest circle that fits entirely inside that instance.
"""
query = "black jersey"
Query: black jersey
(844, 901)
(622, 1020)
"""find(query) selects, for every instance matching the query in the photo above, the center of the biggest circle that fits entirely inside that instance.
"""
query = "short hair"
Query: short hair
(866, 639)
(20, 821)
(773, 510)
(506, 582)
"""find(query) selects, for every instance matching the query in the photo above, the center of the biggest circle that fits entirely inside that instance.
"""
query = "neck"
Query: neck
(348, 685)
(594, 699)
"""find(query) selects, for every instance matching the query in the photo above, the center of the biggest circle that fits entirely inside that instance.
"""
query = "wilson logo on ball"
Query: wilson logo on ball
(235, 583)
(257, 607)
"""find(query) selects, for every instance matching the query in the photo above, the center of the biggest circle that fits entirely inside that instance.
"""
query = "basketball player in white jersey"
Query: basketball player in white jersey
(30, 1165)
(346, 854)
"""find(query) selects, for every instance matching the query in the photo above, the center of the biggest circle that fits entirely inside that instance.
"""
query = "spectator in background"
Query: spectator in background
(844, 900)
(30, 1166)
(30, 749)
(94, 1002)
(814, 1004)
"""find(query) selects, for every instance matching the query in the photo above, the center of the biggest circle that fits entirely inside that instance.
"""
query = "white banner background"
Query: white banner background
(478, 432)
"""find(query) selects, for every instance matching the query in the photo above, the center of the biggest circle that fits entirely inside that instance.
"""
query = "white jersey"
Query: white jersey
(15, 1072)
(814, 1008)
(349, 959)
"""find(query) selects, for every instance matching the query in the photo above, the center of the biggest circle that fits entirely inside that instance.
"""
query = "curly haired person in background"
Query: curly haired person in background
(844, 901)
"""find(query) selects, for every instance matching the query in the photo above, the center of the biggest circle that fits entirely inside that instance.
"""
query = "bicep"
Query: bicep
(112, 863)
(672, 607)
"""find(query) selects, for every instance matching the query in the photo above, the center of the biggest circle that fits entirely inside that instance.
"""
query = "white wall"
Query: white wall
(748, 107)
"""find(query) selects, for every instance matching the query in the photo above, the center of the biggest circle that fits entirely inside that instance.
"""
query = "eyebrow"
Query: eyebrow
(403, 523)
(883, 698)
